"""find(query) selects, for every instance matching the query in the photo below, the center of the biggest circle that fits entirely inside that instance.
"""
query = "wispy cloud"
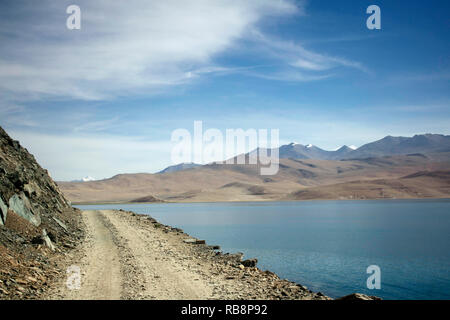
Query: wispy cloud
(289, 75)
(15, 114)
(297, 56)
(8, 109)
(123, 47)
(142, 47)
(97, 126)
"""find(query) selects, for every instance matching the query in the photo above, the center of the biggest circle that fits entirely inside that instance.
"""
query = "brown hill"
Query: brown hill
(222, 182)
(146, 199)
(434, 184)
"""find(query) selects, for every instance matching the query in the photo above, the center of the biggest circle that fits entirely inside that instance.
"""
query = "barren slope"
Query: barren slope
(424, 184)
(219, 182)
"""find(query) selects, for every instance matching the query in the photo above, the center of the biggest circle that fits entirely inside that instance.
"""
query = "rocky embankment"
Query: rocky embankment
(132, 256)
(233, 277)
(37, 224)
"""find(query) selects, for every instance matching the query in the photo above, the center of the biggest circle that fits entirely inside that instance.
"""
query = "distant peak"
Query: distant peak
(87, 179)
(309, 146)
(345, 147)
(180, 167)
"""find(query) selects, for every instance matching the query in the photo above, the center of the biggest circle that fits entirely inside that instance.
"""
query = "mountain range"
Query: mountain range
(393, 167)
(388, 146)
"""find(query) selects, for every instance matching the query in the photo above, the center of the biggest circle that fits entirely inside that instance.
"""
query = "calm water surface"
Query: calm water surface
(328, 245)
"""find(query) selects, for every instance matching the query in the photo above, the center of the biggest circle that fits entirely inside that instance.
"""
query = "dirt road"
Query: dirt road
(128, 256)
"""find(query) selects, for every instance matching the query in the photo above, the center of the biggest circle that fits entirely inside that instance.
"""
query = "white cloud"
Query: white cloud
(308, 64)
(97, 126)
(142, 46)
(123, 46)
(298, 56)
(289, 75)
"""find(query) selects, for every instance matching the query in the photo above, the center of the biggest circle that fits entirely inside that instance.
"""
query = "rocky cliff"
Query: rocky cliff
(25, 187)
(37, 224)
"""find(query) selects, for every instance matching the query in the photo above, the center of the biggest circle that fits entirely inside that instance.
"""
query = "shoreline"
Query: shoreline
(233, 267)
(154, 261)
(246, 201)
(282, 289)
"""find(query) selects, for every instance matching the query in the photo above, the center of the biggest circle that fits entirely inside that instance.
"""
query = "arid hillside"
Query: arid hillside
(424, 184)
(37, 224)
(297, 179)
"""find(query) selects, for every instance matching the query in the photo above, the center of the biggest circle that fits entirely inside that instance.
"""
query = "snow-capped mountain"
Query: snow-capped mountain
(85, 179)
(425, 143)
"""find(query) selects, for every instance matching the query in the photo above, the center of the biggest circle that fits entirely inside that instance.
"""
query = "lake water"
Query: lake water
(328, 245)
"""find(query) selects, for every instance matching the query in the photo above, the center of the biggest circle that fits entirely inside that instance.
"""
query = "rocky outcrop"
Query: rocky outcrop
(37, 223)
(25, 187)
(250, 263)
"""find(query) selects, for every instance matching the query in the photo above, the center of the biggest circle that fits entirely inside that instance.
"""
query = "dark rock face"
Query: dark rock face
(37, 224)
(25, 187)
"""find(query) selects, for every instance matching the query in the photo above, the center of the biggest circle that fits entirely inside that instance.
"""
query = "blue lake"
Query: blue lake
(328, 245)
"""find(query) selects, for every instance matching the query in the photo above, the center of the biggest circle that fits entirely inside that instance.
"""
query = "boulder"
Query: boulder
(20, 204)
(31, 190)
(47, 240)
(250, 263)
(194, 241)
(60, 223)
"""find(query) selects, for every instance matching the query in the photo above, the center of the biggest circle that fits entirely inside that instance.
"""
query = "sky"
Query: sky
(105, 99)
